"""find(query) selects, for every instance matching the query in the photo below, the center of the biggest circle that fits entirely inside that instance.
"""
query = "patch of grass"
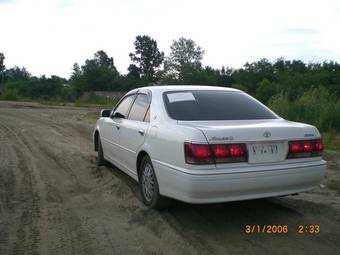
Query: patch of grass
(331, 140)
(95, 101)
(91, 102)
(334, 185)
(91, 117)
(12, 95)
(52, 102)
(332, 158)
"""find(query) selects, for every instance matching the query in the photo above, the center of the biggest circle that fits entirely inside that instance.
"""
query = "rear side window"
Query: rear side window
(139, 108)
(147, 115)
(203, 105)
(124, 105)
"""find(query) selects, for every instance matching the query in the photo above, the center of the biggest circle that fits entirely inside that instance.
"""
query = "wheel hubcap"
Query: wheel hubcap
(148, 182)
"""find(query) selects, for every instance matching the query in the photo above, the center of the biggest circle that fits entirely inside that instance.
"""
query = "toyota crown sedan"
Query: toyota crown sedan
(204, 144)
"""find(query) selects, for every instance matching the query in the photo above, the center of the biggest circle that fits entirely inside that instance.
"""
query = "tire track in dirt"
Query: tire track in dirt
(27, 233)
(68, 237)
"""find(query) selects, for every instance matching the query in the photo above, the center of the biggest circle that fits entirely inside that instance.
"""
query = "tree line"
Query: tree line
(294, 89)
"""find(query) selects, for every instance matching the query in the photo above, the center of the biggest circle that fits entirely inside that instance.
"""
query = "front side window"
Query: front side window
(124, 105)
(201, 105)
(139, 107)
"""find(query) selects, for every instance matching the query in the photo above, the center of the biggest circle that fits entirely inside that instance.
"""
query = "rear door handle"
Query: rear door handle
(141, 131)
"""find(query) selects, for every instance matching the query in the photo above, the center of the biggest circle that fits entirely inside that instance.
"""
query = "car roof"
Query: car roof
(165, 88)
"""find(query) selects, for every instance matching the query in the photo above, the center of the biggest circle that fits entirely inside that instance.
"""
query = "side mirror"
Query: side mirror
(105, 113)
(118, 115)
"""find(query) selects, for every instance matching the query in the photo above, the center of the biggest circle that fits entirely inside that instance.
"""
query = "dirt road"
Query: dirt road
(54, 200)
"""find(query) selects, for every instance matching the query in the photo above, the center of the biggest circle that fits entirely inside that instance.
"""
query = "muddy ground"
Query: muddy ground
(54, 200)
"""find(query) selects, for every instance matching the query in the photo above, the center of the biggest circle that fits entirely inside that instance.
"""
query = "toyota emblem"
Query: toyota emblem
(267, 134)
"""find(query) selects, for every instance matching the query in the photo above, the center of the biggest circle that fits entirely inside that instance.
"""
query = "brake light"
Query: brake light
(220, 150)
(215, 153)
(319, 145)
(237, 150)
(295, 147)
(305, 148)
(199, 150)
(198, 154)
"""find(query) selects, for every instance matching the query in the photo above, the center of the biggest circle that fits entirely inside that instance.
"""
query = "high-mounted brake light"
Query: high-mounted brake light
(305, 148)
(214, 153)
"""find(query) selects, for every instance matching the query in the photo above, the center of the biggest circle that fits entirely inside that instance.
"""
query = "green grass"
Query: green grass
(331, 140)
(90, 102)
(334, 185)
(95, 101)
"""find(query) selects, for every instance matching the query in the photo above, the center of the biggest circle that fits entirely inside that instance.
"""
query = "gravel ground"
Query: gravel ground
(54, 200)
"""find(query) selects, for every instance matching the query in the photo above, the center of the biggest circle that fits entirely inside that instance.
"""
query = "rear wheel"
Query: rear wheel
(149, 186)
(100, 153)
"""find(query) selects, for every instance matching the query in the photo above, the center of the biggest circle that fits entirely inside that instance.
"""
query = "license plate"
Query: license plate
(266, 152)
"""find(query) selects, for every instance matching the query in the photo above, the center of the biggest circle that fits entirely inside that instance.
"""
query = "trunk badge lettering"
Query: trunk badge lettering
(229, 138)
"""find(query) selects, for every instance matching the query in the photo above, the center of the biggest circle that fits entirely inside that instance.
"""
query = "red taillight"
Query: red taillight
(319, 145)
(220, 150)
(305, 148)
(308, 146)
(237, 150)
(295, 147)
(198, 153)
(215, 153)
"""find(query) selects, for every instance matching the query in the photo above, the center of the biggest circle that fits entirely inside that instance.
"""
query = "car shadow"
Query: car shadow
(217, 228)
(221, 217)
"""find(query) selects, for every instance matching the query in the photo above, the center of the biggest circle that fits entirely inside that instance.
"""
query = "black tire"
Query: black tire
(149, 186)
(100, 155)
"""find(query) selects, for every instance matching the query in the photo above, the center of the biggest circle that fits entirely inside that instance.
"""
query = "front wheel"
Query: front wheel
(149, 186)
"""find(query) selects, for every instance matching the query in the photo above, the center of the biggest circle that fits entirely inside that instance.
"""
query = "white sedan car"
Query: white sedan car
(203, 144)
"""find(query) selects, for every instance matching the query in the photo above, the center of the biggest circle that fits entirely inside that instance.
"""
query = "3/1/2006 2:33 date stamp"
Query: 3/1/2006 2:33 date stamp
(281, 229)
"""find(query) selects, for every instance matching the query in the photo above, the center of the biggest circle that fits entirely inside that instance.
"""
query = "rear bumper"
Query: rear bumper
(238, 185)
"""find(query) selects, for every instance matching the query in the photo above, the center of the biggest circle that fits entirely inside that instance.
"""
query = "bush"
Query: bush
(316, 106)
(92, 99)
(265, 90)
(10, 95)
(280, 105)
(240, 87)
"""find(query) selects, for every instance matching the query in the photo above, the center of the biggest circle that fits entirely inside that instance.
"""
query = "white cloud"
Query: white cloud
(49, 36)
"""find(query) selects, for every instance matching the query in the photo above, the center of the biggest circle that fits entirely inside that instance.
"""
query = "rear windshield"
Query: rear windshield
(214, 105)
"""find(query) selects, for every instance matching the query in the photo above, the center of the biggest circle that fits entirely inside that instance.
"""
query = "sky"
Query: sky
(49, 36)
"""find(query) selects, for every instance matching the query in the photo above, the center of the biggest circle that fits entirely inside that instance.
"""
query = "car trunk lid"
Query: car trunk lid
(266, 140)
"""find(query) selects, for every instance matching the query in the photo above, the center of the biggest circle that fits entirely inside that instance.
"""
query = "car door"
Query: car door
(111, 129)
(133, 131)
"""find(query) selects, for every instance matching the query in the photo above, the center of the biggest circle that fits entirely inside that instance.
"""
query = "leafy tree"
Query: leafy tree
(2, 69)
(97, 74)
(17, 74)
(239, 86)
(101, 59)
(134, 72)
(253, 73)
(265, 90)
(147, 56)
(185, 58)
(76, 71)
(2, 59)
(37, 88)
(77, 83)
(280, 104)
